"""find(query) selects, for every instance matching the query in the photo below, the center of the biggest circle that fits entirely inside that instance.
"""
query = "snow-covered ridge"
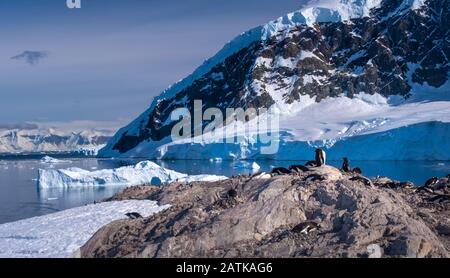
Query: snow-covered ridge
(145, 172)
(61, 234)
(86, 142)
(315, 11)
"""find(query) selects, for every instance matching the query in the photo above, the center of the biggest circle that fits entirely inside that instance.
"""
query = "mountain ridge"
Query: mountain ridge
(396, 53)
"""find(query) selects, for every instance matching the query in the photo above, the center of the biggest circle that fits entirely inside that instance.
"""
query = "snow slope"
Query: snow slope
(60, 234)
(342, 126)
(145, 172)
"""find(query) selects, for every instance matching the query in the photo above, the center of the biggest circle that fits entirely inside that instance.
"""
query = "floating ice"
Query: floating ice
(51, 160)
(145, 172)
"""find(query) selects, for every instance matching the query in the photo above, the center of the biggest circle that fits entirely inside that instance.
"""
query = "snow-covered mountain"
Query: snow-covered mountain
(343, 74)
(16, 141)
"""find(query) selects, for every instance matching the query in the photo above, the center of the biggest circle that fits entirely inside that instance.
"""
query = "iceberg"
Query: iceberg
(50, 160)
(145, 172)
(61, 234)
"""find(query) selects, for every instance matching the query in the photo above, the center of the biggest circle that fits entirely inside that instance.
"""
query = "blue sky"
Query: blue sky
(107, 60)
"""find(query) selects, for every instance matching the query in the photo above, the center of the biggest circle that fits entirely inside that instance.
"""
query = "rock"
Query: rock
(443, 229)
(203, 222)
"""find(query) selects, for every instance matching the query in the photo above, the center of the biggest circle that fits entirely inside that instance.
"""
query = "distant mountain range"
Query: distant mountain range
(21, 141)
(339, 72)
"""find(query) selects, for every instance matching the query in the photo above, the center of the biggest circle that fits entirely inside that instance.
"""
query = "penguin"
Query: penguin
(314, 177)
(431, 181)
(364, 180)
(425, 188)
(357, 170)
(448, 177)
(321, 157)
(311, 163)
(346, 165)
(306, 227)
(133, 215)
(440, 199)
(231, 194)
(281, 171)
(298, 168)
(407, 185)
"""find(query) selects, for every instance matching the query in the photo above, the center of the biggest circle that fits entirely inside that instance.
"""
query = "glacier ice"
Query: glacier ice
(145, 172)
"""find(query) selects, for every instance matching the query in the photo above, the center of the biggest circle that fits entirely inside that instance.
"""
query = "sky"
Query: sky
(107, 60)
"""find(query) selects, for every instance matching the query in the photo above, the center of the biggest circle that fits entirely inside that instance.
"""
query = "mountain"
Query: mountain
(334, 71)
(19, 141)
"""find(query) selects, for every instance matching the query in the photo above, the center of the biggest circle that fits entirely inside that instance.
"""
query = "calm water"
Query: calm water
(20, 197)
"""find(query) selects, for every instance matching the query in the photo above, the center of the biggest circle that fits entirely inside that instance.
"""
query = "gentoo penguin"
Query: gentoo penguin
(306, 227)
(357, 170)
(432, 181)
(321, 157)
(314, 177)
(440, 199)
(346, 165)
(364, 180)
(133, 215)
(407, 185)
(425, 188)
(448, 176)
(298, 168)
(311, 163)
(232, 194)
(281, 171)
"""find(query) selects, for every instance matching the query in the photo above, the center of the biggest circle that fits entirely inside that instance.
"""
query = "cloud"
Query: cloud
(31, 57)
(23, 126)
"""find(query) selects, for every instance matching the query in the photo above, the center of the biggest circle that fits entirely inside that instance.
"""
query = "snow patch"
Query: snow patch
(61, 234)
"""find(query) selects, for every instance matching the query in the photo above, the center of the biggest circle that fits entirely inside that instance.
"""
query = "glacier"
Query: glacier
(61, 234)
(145, 172)
(344, 127)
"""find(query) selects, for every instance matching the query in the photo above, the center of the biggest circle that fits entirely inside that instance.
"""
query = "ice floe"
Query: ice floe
(145, 172)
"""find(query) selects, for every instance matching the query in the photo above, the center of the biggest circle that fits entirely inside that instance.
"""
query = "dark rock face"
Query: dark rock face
(270, 216)
(382, 54)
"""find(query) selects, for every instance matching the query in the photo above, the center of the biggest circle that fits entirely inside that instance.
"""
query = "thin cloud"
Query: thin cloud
(31, 57)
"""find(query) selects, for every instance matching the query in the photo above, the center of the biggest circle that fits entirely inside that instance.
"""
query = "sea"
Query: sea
(20, 196)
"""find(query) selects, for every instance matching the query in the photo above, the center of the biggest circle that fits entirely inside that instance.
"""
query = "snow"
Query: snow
(61, 234)
(86, 142)
(145, 172)
(308, 124)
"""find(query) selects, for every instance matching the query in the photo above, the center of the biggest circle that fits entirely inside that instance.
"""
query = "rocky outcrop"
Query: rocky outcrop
(319, 213)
